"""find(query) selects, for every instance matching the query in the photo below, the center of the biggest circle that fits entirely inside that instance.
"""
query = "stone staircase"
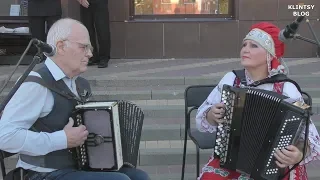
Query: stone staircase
(162, 100)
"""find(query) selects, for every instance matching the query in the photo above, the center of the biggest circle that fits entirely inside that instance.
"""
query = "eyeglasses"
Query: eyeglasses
(86, 47)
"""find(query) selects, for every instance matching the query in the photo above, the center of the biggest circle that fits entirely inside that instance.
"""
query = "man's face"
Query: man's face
(77, 50)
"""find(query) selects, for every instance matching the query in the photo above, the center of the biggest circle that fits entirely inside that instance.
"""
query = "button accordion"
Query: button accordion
(257, 122)
(102, 150)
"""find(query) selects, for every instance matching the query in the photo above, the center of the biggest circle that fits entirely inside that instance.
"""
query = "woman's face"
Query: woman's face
(253, 55)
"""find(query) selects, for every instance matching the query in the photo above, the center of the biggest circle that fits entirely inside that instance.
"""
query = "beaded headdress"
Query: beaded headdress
(266, 35)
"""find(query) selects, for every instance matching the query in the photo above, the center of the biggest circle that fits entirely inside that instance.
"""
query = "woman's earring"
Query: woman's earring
(269, 62)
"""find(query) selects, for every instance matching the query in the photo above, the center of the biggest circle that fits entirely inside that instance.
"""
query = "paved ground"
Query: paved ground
(157, 85)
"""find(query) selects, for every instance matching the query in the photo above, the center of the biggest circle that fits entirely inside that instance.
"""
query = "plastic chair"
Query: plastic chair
(3, 169)
(194, 96)
(3, 156)
(307, 99)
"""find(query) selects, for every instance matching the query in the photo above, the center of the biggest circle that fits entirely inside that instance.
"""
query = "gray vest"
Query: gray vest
(56, 119)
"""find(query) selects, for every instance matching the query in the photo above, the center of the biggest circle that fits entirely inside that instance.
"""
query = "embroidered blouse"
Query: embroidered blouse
(289, 90)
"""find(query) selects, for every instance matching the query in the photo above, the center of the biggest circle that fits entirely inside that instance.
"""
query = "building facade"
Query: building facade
(194, 28)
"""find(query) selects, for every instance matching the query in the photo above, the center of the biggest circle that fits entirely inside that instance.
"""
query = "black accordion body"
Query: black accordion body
(257, 123)
(102, 150)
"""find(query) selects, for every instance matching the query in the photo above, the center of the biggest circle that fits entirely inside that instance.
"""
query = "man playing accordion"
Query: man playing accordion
(44, 151)
(261, 57)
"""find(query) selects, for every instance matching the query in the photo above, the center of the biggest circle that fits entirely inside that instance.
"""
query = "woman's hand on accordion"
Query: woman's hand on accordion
(75, 135)
(288, 156)
(216, 114)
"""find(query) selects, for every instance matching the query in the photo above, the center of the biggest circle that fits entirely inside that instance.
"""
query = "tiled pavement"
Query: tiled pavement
(157, 85)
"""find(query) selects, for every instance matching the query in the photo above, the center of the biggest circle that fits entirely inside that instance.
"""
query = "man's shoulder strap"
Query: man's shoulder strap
(38, 124)
(40, 81)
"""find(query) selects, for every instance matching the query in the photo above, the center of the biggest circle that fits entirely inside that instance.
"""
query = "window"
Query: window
(180, 8)
(5, 6)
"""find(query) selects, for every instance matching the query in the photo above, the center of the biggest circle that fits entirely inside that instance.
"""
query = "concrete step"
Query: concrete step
(170, 172)
(169, 111)
(173, 176)
(135, 93)
(157, 97)
(160, 155)
(162, 132)
(168, 108)
(308, 80)
(177, 111)
(153, 153)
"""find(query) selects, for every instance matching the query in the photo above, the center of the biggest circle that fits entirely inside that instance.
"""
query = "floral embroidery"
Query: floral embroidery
(244, 177)
(205, 126)
(219, 171)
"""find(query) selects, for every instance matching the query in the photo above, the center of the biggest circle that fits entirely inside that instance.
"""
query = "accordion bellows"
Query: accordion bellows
(257, 123)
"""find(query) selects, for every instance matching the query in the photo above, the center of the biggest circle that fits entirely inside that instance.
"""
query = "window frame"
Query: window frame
(132, 15)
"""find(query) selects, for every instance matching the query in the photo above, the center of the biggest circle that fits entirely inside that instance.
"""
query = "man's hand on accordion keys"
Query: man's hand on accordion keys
(76, 136)
(288, 156)
(216, 114)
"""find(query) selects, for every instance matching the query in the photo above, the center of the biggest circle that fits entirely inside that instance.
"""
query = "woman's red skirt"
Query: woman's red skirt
(213, 171)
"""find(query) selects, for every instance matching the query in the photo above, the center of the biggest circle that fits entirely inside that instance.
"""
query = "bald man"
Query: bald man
(44, 152)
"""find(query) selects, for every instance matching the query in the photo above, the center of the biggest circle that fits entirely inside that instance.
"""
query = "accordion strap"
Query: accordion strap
(273, 79)
(40, 81)
(36, 79)
(241, 76)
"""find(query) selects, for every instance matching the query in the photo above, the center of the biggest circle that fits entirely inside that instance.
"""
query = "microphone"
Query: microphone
(47, 49)
(290, 29)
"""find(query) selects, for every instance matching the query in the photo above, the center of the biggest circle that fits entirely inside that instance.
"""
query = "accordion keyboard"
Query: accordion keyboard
(81, 150)
(223, 133)
(284, 138)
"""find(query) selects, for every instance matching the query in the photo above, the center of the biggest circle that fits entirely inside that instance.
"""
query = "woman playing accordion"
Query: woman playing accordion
(261, 57)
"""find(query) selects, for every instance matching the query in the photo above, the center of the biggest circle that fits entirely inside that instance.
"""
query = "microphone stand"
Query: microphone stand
(316, 41)
(36, 60)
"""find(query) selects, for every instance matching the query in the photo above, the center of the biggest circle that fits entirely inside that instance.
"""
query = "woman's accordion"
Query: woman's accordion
(257, 123)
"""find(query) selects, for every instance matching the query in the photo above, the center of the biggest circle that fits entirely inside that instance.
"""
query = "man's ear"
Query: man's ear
(60, 47)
